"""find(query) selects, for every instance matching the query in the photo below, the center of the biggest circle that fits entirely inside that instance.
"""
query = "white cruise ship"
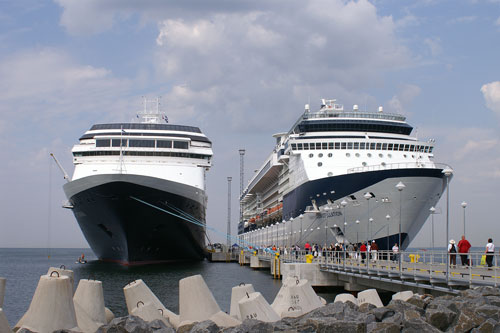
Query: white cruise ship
(138, 190)
(342, 176)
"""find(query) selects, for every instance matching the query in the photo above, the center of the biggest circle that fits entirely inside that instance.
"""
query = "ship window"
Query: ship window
(357, 154)
(407, 147)
(426, 149)
(383, 164)
(380, 155)
(362, 145)
(430, 149)
(396, 147)
(306, 146)
(412, 148)
(347, 154)
(294, 146)
(337, 145)
(311, 155)
(364, 163)
(320, 155)
(356, 145)
(369, 155)
(389, 155)
(379, 146)
(180, 144)
(312, 146)
(330, 145)
(401, 147)
(343, 145)
(102, 143)
(299, 146)
(320, 164)
(141, 143)
(324, 145)
(318, 145)
(384, 146)
(330, 174)
(349, 145)
(164, 143)
(372, 146)
(330, 154)
(116, 143)
(390, 146)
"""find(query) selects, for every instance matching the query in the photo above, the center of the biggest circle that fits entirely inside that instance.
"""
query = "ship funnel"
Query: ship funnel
(380, 109)
(355, 107)
(307, 108)
(323, 102)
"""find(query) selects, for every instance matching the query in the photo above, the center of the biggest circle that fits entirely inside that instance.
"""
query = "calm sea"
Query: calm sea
(23, 267)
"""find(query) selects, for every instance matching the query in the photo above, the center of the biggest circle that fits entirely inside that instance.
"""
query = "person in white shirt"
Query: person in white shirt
(490, 251)
(395, 252)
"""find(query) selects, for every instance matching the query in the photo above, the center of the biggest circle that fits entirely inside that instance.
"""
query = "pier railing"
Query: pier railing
(420, 266)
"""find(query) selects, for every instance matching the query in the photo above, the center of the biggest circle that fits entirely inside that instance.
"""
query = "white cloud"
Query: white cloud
(405, 97)
(497, 22)
(491, 94)
(434, 45)
(463, 19)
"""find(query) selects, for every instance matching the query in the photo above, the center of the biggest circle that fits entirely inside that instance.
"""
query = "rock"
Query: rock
(185, 326)
(383, 328)
(489, 291)
(487, 327)
(25, 330)
(397, 319)
(206, 326)
(250, 326)
(331, 325)
(130, 324)
(382, 313)
(489, 311)
(366, 307)
(467, 320)
(403, 307)
(418, 326)
(159, 326)
(337, 310)
(493, 300)
(418, 302)
(440, 317)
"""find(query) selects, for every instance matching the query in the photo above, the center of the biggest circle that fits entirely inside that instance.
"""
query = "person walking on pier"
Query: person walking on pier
(463, 247)
(362, 249)
(307, 247)
(452, 250)
(490, 252)
(374, 250)
(395, 252)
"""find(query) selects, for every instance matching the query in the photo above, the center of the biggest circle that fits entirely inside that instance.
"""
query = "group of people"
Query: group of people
(463, 247)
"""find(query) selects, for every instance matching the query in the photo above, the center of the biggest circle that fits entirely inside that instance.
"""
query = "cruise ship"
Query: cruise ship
(138, 189)
(342, 176)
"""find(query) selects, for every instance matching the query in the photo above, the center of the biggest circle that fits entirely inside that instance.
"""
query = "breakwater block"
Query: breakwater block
(345, 297)
(222, 319)
(403, 295)
(238, 293)
(4, 324)
(148, 312)
(64, 272)
(109, 315)
(255, 306)
(89, 296)
(52, 307)
(3, 281)
(297, 295)
(369, 296)
(196, 302)
(85, 322)
(137, 291)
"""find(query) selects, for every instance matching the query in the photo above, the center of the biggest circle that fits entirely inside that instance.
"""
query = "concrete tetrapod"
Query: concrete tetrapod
(254, 306)
(222, 319)
(52, 307)
(4, 324)
(64, 272)
(3, 281)
(403, 295)
(196, 302)
(345, 297)
(109, 315)
(137, 291)
(148, 312)
(90, 298)
(298, 296)
(370, 296)
(85, 323)
(238, 293)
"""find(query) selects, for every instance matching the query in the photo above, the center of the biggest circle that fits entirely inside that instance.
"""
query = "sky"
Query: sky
(242, 71)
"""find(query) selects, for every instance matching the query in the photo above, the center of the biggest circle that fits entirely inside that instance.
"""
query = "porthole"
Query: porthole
(320, 164)
(320, 155)
(348, 154)
(330, 174)
(369, 155)
(380, 155)
(364, 163)
(412, 156)
(383, 164)
(311, 155)
(357, 154)
(405, 156)
(330, 154)
(389, 155)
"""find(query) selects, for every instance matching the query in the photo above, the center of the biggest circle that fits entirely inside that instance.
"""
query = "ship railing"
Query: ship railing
(393, 166)
(471, 269)
(353, 114)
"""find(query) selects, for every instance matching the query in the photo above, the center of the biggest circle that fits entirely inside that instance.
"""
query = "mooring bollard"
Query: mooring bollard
(238, 293)
(52, 307)
(254, 306)
(89, 296)
(137, 291)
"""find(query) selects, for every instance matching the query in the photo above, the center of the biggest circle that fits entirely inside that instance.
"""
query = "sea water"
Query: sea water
(23, 268)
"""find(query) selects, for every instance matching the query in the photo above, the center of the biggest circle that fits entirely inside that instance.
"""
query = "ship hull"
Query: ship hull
(329, 222)
(133, 219)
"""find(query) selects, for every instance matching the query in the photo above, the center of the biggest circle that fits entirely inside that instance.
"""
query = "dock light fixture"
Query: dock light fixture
(447, 173)
(400, 186)
(367, 196)
(432, 210)
(388, 217)
(357, 224)
(343, 204)
(464, 205)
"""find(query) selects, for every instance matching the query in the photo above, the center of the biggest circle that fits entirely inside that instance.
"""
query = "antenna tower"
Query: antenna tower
(229, 213)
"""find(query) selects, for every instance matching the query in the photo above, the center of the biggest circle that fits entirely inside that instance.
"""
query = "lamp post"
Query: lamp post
(447, 173)
(367, 196)
(388, 217)
(464, 204)
(357, 238)
(433, 211)
(400, 186)
(343, 204)
(300, 236)
(291, 232)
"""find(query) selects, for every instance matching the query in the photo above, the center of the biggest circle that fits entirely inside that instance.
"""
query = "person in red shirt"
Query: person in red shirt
(463, 247)
(307, 247)
(362, 249)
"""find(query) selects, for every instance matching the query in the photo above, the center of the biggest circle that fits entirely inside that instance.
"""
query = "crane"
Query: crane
(60, 167)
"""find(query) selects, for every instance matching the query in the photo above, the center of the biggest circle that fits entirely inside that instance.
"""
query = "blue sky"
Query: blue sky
(241, 71)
